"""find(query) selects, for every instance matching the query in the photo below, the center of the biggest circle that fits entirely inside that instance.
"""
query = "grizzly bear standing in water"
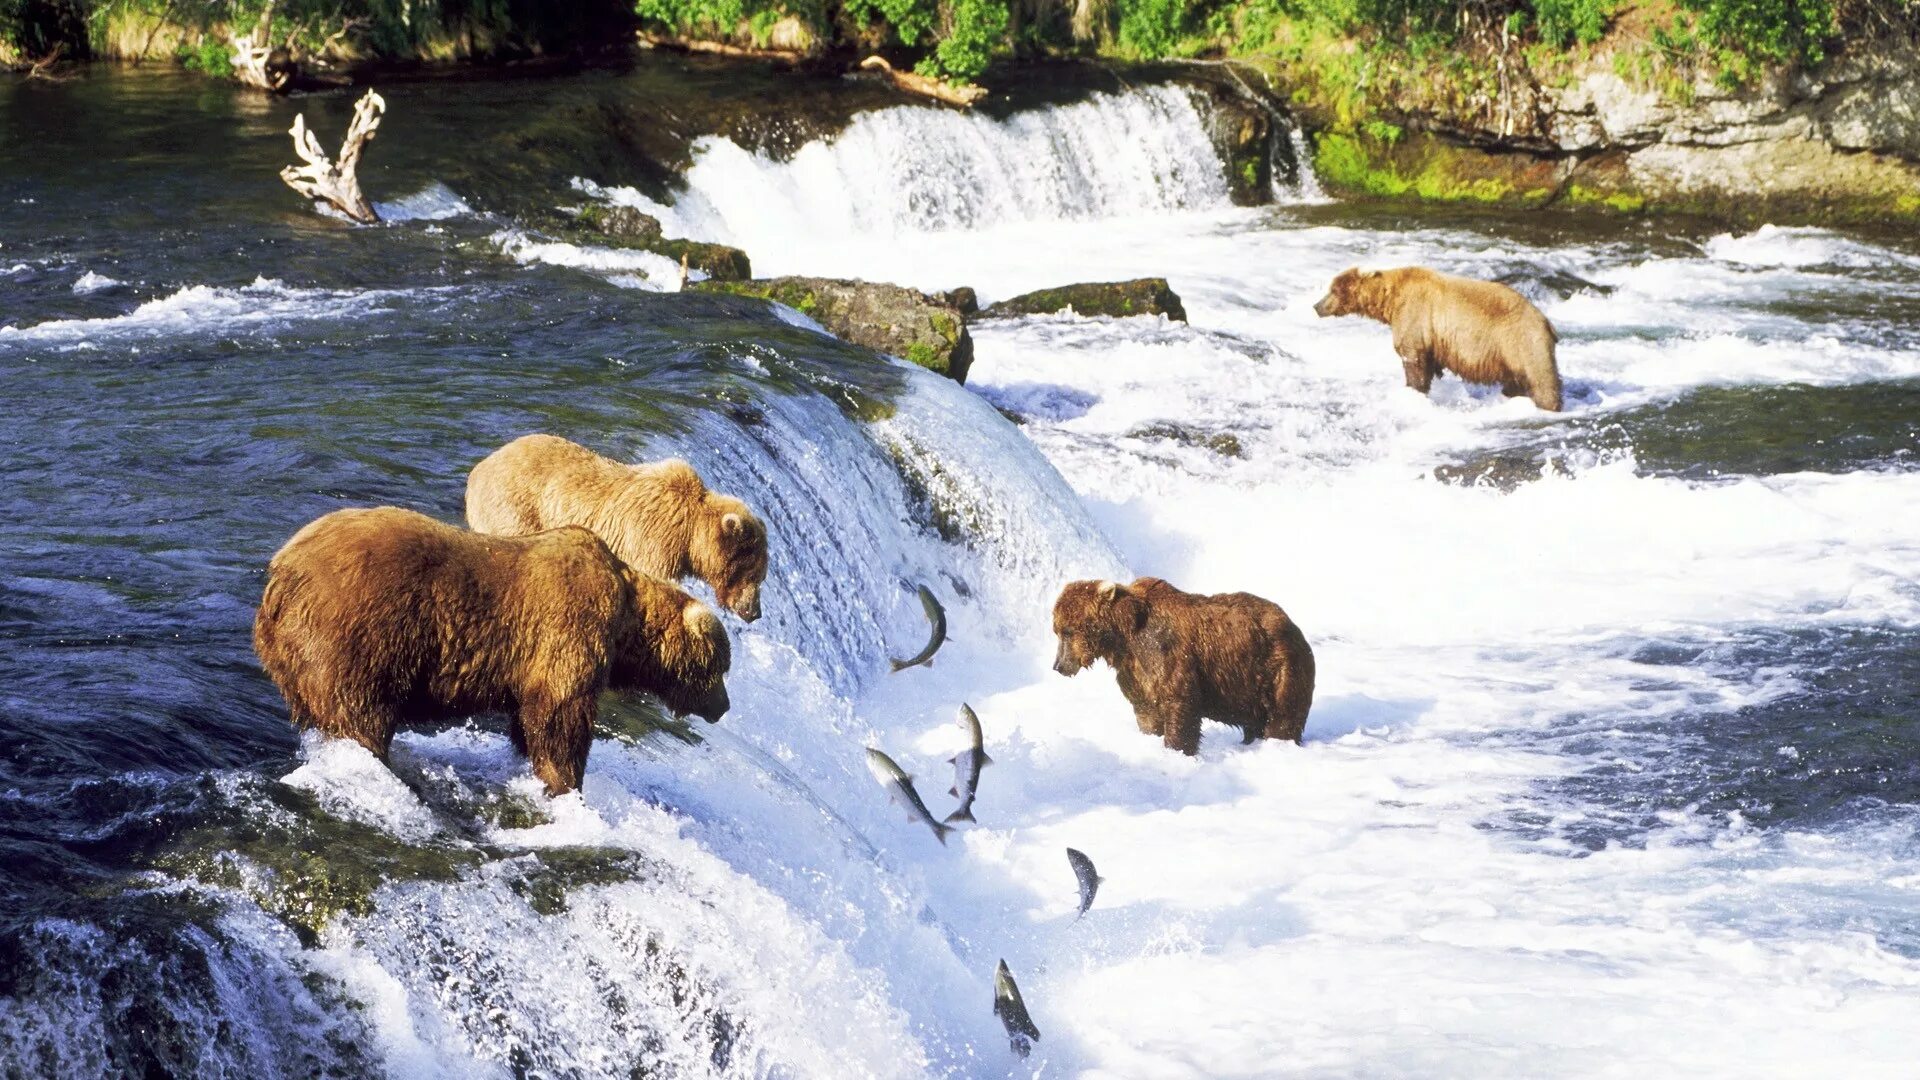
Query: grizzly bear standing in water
(1480, 331)
(374, 618)
(1181, 657)
(657, 518)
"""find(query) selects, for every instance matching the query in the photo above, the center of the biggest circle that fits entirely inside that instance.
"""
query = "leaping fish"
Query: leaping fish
(937, 618)
(900, 786)
(1012, 1011)
(967, 765)
(1083, 872)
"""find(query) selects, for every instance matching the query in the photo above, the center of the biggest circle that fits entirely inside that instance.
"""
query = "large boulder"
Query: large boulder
(927, 330)
(1141, 296)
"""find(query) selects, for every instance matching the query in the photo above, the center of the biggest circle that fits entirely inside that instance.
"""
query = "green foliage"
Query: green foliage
(979, 29)
(1150, 29)
(911, 20)
(1571, 21)
(207, 56)
(1791, 31)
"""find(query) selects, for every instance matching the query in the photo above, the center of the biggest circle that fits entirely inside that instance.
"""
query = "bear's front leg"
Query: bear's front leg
(1418, 371)
(1149, 723)
(558, 738)
(1182, 733)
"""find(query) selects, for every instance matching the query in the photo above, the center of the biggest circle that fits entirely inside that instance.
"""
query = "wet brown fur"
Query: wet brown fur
(658, 517)
(1481, 331)
(1182, 657)
(375, 618)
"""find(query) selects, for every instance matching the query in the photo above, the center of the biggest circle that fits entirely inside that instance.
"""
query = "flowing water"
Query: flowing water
(1611, 769)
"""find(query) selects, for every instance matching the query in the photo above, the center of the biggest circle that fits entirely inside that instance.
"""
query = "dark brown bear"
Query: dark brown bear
(375, 618)
(1181, 657)
(1481, 331)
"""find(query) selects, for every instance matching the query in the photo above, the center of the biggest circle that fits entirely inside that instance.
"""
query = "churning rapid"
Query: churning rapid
(1611, 769)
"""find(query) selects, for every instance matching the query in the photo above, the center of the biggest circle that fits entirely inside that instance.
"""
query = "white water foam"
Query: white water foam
(435, 202)
(621, 266)
(91, 282)
(263, 306)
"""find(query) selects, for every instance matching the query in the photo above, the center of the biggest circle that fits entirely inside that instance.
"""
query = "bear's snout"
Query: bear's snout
(747, 605)
(1064, 662)
(1325, 307)
(717, 705)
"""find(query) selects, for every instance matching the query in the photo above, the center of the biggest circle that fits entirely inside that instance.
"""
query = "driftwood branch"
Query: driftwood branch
(336, 183)
(914, 83)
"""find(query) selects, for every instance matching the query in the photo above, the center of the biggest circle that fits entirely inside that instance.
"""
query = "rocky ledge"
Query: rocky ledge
(1839, 143)
(929, 330)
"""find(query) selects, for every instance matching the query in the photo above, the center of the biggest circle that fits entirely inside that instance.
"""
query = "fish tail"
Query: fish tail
(963, 814)
(900, 665)
(940, 832)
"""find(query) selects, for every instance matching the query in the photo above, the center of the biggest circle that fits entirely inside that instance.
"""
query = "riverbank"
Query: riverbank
(1625, 108)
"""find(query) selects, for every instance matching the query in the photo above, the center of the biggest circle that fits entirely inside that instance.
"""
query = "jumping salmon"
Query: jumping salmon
(967, 765)
(1083, 872)
(1012, 1011)
(900, 786)
(937, 617)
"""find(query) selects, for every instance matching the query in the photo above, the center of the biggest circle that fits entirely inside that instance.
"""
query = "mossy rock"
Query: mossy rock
(930, 331)
(1116, 299)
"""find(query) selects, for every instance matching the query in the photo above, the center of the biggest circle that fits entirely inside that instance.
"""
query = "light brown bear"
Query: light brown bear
(659, 518)
(375, 618)
(1481, 331)
(1182, 657)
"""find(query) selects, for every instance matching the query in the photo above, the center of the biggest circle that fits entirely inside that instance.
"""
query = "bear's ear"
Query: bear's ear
(1110, 590)
(732, 525)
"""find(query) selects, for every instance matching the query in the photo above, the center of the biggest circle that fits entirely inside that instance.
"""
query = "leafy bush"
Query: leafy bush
(1150, 29)
(1564, 21)
(911, 19)
(978, 29)
(1783, 30)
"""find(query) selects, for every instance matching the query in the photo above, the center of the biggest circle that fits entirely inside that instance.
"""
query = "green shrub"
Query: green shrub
(1150, 29)
(1565, 21)
(1783, 30)
(911, 19)
(978, 31)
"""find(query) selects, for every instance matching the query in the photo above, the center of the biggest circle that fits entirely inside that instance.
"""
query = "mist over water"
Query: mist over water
(1610, 769)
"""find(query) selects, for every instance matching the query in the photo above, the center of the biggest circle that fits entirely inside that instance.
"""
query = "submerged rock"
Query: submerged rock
(1141, 296)
(1223, 443)
(928, 330)
(626, 227)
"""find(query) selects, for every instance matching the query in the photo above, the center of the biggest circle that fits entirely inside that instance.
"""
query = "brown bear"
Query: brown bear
(375, 618)
(1181, 657)
(659, 518)
(1479, 330)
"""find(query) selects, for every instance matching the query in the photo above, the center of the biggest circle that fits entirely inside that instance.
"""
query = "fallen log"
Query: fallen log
(337, 184)
(915, 83)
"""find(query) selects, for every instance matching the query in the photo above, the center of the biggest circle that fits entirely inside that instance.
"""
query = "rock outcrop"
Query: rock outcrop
(1118, 299)
(1838, 143)
(930, 331)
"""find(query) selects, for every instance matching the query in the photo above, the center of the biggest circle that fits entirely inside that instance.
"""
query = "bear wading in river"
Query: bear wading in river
(658, 518)
(1479, 330)
(376, 618)
(1182, 657)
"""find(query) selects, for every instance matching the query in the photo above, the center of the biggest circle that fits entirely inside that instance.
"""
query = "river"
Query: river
(1613, 767)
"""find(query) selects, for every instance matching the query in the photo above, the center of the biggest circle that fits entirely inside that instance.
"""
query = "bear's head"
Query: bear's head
(1349, 294)
(671, 646)
(1095, 620)
(729, 552)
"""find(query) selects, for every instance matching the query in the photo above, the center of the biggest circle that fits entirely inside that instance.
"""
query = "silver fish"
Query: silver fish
(900, 786)
(937, 618)
(1083, 872)
(1012, 1011)
(967, 765)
